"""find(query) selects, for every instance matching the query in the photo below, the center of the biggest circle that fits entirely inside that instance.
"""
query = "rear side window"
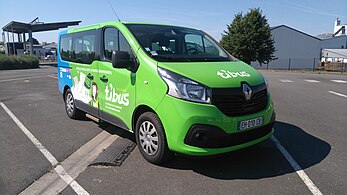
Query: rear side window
(66, 47)
(79, 47)
(84, 48)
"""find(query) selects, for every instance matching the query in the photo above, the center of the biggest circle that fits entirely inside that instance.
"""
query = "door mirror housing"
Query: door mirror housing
(122, 59)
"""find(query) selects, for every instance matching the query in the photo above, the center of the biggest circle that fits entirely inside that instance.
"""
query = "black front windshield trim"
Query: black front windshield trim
(144, 30)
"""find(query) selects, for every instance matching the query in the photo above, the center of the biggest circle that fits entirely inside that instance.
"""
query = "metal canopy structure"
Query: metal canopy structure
(19, 28)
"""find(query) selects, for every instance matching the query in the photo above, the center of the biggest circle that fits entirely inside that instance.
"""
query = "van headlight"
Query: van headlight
(184, 88)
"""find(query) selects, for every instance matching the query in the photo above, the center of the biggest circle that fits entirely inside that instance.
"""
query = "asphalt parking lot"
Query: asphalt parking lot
(307, 154)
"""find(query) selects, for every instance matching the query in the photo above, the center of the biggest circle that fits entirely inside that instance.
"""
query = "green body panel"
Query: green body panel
(125, 91)
(206, 73)
(150, 88)
(118, 97)
(178, 116)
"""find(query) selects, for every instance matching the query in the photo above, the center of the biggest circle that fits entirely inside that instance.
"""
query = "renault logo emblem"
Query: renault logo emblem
(247, 91)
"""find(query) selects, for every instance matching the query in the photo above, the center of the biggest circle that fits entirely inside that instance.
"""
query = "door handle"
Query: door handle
(91, 77)
(104, 79)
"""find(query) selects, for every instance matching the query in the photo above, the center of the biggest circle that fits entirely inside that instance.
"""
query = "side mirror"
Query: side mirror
(121, 59)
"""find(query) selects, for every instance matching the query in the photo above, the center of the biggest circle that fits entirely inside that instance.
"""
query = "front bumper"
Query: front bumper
(208, 136)
(180, 118)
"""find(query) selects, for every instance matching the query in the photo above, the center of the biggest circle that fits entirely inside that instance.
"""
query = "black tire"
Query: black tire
(70, 107)
(146, 142)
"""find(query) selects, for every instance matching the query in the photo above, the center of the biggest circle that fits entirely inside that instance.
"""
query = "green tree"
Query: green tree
(248, 38)
(35, 41)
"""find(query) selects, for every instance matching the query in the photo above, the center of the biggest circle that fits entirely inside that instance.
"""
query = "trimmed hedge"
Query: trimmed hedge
(18, 62)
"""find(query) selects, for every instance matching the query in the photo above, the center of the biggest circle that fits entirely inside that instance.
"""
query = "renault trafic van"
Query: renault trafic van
(176, 88)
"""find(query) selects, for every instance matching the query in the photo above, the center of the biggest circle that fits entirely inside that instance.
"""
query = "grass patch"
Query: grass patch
(18, 62)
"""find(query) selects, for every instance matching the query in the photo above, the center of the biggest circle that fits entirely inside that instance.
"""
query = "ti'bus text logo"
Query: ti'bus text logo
(113, 96)
(227, 74)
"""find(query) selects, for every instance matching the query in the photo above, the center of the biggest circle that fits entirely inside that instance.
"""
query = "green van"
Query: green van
(176, 88)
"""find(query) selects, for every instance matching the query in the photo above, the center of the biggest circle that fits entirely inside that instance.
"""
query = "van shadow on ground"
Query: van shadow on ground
(262, 160)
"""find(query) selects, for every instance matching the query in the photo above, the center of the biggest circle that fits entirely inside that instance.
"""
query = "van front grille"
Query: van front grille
(232, 102)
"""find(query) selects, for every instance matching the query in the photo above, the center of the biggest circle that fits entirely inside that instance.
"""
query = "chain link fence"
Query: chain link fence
(308, 64)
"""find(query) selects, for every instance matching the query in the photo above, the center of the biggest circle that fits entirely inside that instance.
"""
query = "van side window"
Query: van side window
(194, 44)
(209, 47)
(124, 46)
(114, 40)
(84, 48)
(123, 43)
(110, 42)
(66, 47)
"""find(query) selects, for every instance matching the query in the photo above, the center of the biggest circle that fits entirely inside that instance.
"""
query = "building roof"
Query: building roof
(335, 37)
(325, 36)
(52, 45)
(20, 27)
(275, 27)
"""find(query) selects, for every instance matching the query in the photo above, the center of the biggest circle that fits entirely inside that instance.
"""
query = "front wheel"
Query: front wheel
(70, 106)
(151, 140)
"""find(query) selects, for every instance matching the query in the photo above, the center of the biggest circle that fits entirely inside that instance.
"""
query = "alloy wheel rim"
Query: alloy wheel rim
(148, 138)
(69, 103)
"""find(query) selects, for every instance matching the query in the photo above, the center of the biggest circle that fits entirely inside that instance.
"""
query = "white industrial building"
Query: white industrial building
(334, 48)
(338, 39)
(339, 29)
(334, 55)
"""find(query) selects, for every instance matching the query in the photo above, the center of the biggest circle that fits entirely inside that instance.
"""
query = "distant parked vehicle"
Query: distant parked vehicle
(50, 57)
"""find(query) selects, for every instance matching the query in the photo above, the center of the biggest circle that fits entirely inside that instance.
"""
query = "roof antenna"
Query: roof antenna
(113, 10)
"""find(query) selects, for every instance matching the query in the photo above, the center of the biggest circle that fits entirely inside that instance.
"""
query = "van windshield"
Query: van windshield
(177, 44)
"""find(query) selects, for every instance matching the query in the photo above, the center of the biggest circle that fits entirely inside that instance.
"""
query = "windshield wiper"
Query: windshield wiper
(163, 57)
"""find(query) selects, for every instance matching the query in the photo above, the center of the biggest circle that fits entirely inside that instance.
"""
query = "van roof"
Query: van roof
(99, 25)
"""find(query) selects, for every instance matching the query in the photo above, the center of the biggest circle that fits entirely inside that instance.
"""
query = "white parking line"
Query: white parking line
(23, 78)
(52, 76)
(50, 183)
(312, 81)
(285, 81)
(58, 168)
(339, 94)
(339, 81)
(308, 182)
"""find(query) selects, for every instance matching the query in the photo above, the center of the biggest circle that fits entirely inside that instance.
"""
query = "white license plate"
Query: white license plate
(250, 123)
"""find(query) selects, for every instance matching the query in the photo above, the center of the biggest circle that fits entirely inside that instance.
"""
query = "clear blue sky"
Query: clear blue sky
(311, 16)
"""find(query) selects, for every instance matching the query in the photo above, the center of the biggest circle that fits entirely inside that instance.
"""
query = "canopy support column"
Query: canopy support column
(31, 49)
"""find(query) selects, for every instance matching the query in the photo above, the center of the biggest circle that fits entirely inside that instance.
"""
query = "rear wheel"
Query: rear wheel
(151, 140)
(70, 106)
